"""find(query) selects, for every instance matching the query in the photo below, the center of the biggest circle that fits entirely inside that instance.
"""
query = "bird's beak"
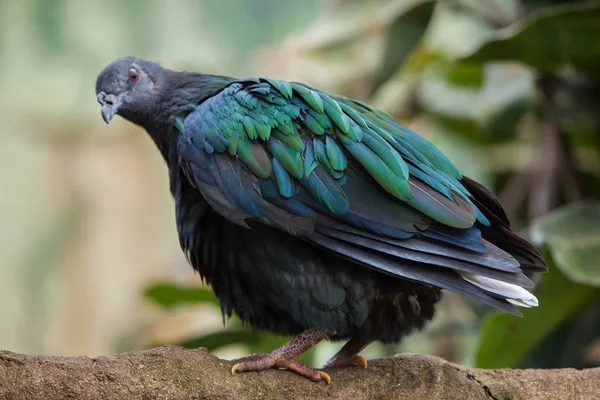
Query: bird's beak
(110, 105)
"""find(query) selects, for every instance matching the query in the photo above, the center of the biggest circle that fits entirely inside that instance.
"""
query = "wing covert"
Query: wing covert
(345, 177)
(300, 137)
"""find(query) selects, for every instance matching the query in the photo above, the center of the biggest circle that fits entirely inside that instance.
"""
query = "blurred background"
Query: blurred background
(89, 257)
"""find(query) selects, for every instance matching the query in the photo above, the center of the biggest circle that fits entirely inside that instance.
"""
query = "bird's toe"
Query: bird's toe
(313, 374)
(355, 360)
(261, 362)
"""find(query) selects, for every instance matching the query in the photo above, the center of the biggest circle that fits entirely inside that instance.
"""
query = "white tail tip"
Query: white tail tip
(514, 294)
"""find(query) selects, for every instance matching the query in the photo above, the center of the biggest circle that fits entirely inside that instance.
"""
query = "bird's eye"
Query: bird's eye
(133, 75)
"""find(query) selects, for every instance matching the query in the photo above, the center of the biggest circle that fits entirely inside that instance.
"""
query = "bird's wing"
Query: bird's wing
(346, 177)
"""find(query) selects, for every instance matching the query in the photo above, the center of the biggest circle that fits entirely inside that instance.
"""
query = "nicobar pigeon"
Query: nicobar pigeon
(317, 215)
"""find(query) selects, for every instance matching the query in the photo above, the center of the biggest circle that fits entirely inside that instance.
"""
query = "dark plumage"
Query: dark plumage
(314, 213)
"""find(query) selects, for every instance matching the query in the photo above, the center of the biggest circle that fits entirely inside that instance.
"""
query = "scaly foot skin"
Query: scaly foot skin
(261, 362)
(285, 357)
(355, 360)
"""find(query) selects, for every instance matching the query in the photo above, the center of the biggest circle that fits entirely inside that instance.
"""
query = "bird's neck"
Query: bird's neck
(182, 92)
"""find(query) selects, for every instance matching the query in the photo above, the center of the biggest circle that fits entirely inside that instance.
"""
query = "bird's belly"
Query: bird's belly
(278, 282)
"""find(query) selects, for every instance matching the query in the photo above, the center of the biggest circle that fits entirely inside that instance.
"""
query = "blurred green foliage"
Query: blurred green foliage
(402, 36)
(506, 341)
(169, 295)
(517, 82)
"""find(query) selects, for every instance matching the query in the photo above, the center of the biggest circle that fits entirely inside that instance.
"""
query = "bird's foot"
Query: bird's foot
(285, 357)
(354, 360)
(261, 362)
(348, 355)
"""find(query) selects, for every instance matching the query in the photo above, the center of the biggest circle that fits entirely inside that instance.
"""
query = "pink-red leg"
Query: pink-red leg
(285, 357)
(348, 355)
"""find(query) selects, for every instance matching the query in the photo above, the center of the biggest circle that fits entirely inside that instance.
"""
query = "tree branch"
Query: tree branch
(172, 372)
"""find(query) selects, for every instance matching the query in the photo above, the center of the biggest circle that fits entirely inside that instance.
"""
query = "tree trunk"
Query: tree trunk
(172, 372)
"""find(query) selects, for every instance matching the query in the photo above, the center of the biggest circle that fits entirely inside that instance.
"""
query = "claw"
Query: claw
(325, 376)
(355, 360)
(361, 361)
(235, 368)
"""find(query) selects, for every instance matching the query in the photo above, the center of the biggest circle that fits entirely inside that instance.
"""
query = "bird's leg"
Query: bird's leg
(348, 355)
(285, 357)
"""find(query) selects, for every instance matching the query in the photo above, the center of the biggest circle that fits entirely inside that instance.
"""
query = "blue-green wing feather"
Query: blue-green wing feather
(266, 148)
(300, 127)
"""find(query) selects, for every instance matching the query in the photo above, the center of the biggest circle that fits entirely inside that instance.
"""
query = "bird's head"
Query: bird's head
(129, 87)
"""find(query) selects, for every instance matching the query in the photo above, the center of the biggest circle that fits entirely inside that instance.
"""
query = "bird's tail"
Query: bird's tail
(512, 293)
(499, 232)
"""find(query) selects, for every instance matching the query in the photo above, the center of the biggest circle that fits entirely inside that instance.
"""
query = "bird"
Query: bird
(315, 215)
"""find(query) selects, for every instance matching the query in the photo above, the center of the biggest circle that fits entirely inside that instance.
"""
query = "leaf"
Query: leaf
(464, 128)
(402, 37)
(549, 39)
(460, 141)
(463, 74)
(501, 123)
(170, 295)
(506, 340)
(441, 97)
(569, 345)
(215, 340)
(578, 113)
(572, 234)
(537, 4)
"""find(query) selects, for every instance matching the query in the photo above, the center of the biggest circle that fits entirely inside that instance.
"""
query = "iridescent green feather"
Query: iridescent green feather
(336, 156)
(255, 158)
(352, 113)
(285, 88)
(322, 158)
(312, 98)
(289, 158)
(292, 133)
(285, 183)
(379, 170)
(309, 159)
(387, 154)
(288, 129)
(249, 127)
(264, 131)
(293, 141)
(333, 110)
(322, 119)
(313, 125)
